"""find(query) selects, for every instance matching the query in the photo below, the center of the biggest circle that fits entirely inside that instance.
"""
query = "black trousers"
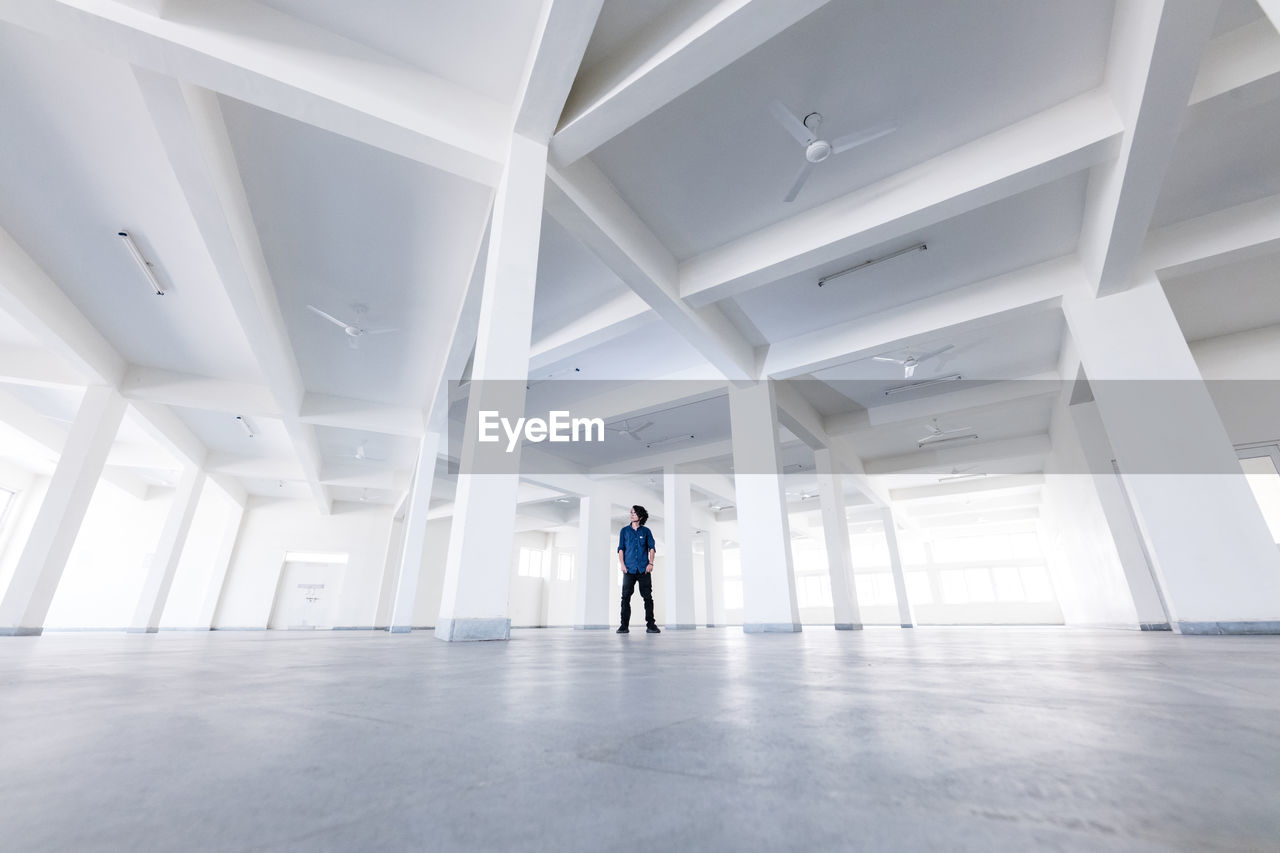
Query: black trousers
(646, 592)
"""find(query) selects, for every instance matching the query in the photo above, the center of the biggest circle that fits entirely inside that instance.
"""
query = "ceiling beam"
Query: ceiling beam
(1020, 293)
(255, 54)
(922, 461)
(1060, 141)
(1215, 239)
(620, 315)
(581, 199)
(935, 491)
(38, 305)
(1271, 8)
(189, 123)
(676, 51)
(168, 430)
(1236, 59)
(1155, 52)
(153, 385)
(260, 468)
(345, 413)
(564, 28)
(23, 365)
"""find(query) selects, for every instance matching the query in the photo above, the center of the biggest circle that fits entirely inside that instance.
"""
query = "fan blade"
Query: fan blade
(379, 331)
(936, 352)
(910, 369)
(790, 123)
(852, 140)
(799, 182)
(886, 358)
(329, 317)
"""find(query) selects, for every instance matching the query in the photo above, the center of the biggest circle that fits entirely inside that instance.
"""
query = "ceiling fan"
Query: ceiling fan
(817, 149)
(361, 455)
(912, 361)
(355, 331)
(629, 431)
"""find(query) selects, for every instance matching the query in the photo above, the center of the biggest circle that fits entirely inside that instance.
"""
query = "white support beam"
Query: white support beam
(680, 455)
(168, 430)
(1155, 52)
(895, 565)
(345, 413)
(965, 487)
(1032, 447)
(409, 568)
(615, 318)
(564, 28)
(151, 384)
(359, 476)
(677, 571)
(975, 306)
(173, 537)
(191, 128)
(679, 49)
(835, 531)
(1060, 141)
(25, 603)
(23, 365)
(1215, 239)
(36, 304)
(1271, 8)
(230, 465)
(221, 562)
(1234, 60)
(255, 54)
(581, 199)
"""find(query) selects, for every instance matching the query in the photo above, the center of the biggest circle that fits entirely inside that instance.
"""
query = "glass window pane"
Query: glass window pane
(523, 567)
(979, 583)
(866, 588)
(564, 567)
(1035, 580)
(918, 591)
(885, 593)
(733, 593)
(1008, 584)
(954, 589)
(1264, 480)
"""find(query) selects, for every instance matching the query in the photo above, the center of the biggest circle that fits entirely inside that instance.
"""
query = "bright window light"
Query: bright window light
(733, 593)
(954, 588)
(1008, 583)
(564, 567)
(1264, 480)
(979, 583)
(1035, 580)
(918, 589)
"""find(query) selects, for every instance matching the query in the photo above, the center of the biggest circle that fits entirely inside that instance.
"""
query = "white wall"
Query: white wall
(104, 574)
(271, 527)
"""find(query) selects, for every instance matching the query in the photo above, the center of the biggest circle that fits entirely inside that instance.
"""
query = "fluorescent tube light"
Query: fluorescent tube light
(918, 247)
(961, 477)
(674, 439)
(244, 423)
(900, 389)
(930, 442)
(143, 264)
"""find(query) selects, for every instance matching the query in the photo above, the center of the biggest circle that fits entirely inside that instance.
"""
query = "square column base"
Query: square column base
(21, 632)
(680, 627)
(472, 630)
(848, 626)
(771, 628)
(591, 627)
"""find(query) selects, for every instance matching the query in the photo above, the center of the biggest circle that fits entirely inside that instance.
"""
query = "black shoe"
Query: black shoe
(653, 629)
(623, 630)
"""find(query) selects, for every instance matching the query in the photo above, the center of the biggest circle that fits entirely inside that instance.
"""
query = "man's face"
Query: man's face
(634, 517)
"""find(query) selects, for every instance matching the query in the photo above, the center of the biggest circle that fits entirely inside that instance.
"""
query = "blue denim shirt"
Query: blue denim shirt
(635, 545)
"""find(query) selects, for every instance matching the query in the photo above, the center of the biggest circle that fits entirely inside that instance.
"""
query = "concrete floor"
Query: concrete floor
(699, 740)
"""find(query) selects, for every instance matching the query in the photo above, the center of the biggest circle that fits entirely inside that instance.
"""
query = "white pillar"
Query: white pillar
(159, 580)
(597, 561)
(835, 529)
(715, 577)
(474, 604)
(415, 535)
(1217, 565)
(677, 584)
(39, 568)
(895, 565)
(221, 562)
(768, 582)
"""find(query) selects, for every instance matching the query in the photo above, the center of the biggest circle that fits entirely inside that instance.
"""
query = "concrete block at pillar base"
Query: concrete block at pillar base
(671, 627)
(133, 630)
(907, 625)
(848, 626)
(1155, 626)
(470, 630)
(399, 629)
(590, 627)
(21, 632)
(770, 627)
(1259, 627)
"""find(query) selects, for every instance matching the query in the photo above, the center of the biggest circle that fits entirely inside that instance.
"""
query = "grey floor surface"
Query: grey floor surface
(966, 739)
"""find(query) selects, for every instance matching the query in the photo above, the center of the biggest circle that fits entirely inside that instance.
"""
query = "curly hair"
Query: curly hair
(640, 513)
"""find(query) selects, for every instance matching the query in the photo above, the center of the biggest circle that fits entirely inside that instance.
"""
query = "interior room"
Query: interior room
(915, 362)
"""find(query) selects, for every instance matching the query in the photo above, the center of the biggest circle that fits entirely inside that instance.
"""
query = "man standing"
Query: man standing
(635, 558)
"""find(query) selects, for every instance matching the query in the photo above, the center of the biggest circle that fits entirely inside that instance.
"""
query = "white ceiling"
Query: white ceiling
(1224, 300)
(713, 164)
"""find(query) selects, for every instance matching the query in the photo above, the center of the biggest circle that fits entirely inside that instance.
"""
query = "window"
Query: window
(564, 567)
(813, 590)
(918, 589)
(1008, 583)
(6, 501)
(1262, 470)
(733, 593)
(875, 589)
(1035, 580)
(531, 563)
